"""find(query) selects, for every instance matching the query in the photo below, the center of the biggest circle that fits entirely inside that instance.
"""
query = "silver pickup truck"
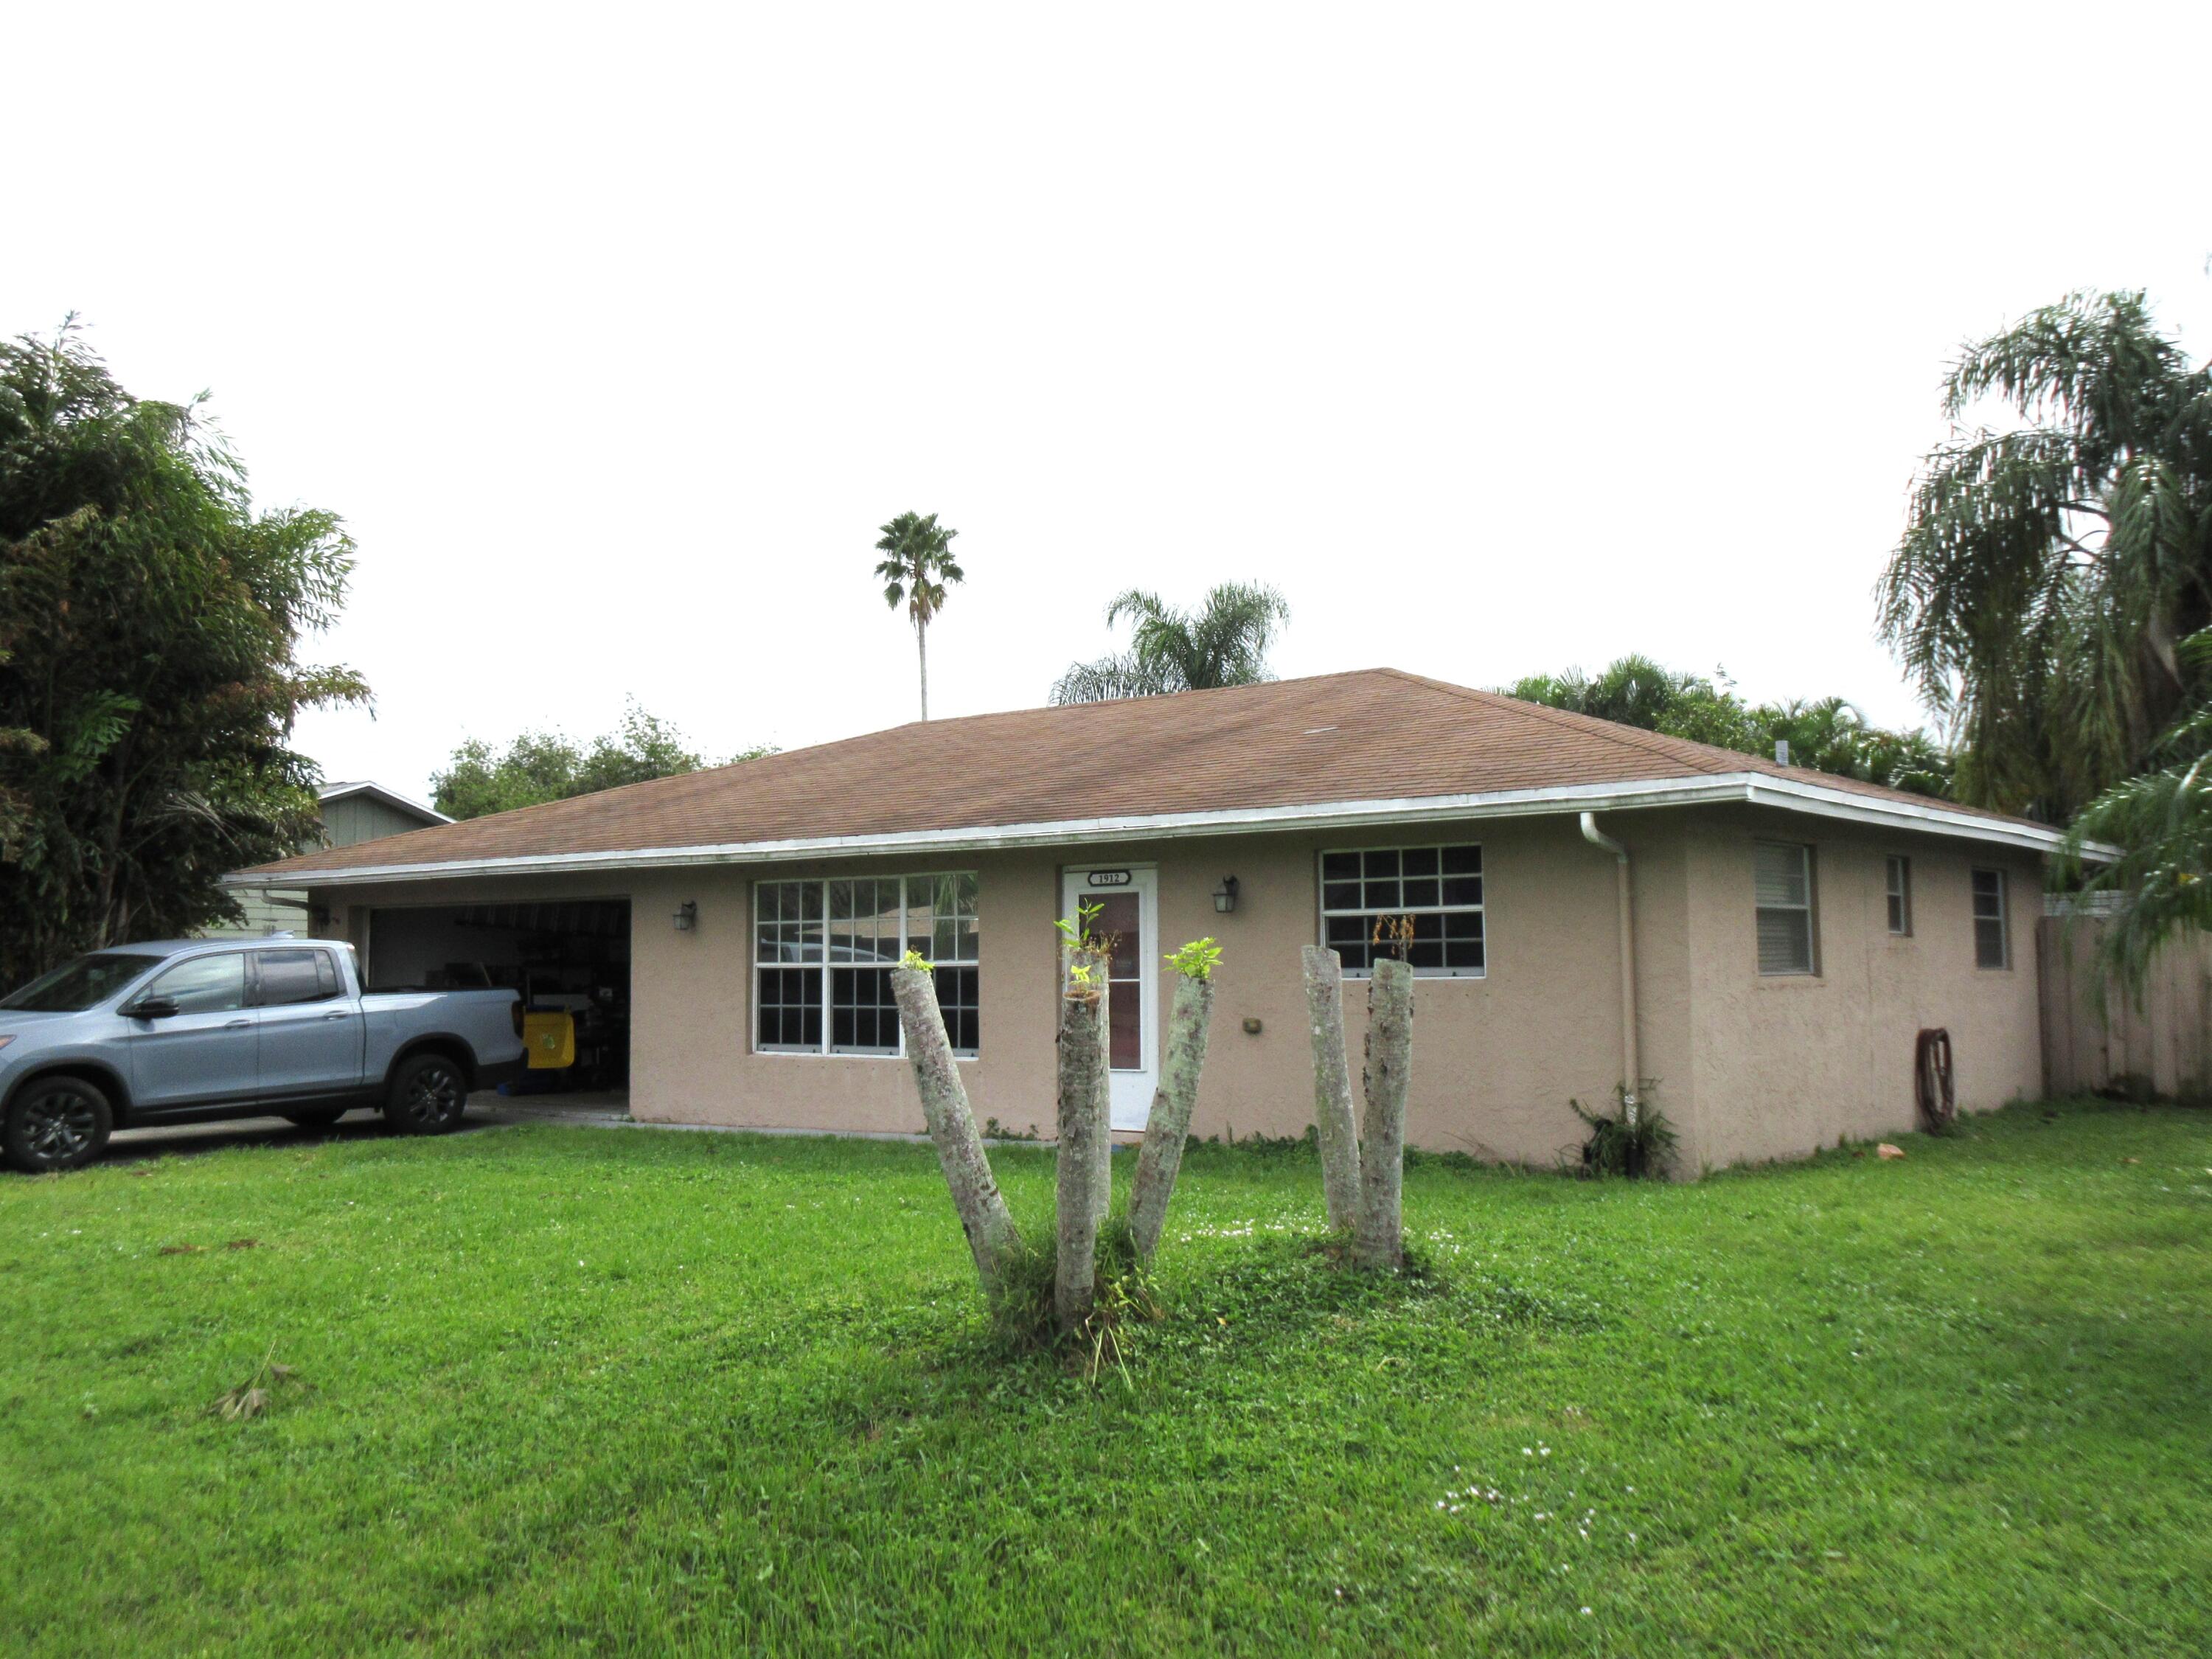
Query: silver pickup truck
(192, 1029)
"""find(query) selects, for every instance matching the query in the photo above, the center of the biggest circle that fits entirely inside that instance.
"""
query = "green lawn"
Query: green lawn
(624, 1391)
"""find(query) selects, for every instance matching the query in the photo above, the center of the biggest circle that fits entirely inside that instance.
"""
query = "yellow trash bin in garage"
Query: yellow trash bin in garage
(550, 1039)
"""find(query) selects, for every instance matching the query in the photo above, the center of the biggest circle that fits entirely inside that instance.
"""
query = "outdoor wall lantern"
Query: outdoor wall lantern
(1224, 896)
(687, 916)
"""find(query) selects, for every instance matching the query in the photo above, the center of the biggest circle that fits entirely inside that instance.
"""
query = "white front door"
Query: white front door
(1128, 898)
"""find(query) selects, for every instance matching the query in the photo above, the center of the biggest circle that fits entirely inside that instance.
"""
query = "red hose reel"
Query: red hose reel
(1931, 1079)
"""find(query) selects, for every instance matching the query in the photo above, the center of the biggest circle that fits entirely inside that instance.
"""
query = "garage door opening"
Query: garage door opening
(567, 958)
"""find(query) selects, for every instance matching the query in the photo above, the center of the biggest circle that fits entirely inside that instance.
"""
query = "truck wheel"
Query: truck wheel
(313, 1117)
(57, 1123)
(427, 1094)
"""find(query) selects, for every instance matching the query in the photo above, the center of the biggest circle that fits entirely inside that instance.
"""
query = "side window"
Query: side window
(290, 976)
(1900, 896)
(1782, 882)
(1992, 928)
(205, 985)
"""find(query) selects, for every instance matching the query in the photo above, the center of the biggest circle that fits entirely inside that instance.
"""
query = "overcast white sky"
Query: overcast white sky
(1499, 341)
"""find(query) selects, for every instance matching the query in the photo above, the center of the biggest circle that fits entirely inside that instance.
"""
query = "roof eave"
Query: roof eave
(1788, 795)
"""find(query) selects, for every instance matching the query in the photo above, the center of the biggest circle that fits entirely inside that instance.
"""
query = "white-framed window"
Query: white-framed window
(1440, 888)
(823, 952)
(1899, 884)
(1992, 925)
(1782, 885)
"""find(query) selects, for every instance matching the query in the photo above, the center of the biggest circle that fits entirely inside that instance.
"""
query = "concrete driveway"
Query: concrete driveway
(487, 1111)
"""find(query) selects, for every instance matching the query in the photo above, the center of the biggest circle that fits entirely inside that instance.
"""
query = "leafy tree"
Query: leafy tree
(2049, 568)
(2159, 821)
(917, 565)
(1225, 642)
(149, 624)
(1830, 734)
(542, 766)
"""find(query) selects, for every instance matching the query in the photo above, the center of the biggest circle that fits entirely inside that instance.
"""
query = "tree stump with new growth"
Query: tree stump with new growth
(1085, 1154)
(1378, 1237)
(992, 1239)
(1333, 1123)
(1165, 1131)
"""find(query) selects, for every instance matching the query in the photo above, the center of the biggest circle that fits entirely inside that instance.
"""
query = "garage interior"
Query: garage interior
(572, 958)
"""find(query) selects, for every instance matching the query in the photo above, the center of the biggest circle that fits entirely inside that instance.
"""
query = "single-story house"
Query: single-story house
(350, 812)
(1592, 904)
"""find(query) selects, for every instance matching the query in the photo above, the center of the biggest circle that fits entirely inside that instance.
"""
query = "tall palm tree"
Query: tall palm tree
(1225, 642)
(2048, 570)
(918, 564)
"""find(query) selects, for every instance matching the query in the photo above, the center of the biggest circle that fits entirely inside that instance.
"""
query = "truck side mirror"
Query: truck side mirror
(152, 1008)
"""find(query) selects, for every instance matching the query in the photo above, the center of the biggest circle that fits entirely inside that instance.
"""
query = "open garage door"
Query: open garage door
(566, 957)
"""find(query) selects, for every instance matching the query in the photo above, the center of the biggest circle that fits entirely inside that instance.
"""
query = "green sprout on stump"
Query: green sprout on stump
(1087, 950)
(1196, 960)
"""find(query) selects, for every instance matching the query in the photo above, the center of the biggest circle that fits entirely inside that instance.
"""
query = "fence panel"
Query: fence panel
(2161, 1040)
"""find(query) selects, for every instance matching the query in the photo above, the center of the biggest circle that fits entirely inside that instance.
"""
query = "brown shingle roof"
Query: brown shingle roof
(1376, 734)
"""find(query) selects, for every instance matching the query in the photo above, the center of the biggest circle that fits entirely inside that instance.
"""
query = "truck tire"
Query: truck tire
(56, 1123)
(313, 1117)
(427, 1094)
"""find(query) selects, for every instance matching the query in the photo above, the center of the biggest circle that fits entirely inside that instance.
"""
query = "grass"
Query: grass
(630, 1391)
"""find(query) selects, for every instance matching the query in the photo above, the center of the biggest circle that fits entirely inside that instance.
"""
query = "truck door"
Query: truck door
(310, 1029)
(204, 1052)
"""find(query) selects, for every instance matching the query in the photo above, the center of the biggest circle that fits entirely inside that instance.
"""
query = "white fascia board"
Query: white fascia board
(1789, 794)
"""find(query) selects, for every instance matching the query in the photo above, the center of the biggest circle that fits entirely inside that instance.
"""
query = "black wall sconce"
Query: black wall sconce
(687, 916)
(1224, 896)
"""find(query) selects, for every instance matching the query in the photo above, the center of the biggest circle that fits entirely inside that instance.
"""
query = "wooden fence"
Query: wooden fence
(2162, 1042)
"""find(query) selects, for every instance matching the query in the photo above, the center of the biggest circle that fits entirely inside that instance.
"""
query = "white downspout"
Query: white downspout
(1630, 1071)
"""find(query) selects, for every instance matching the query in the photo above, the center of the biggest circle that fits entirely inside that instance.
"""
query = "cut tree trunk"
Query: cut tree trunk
(1378, 1239)
(1086, 1151)
(1161, 1157)
(983, 1214)
(1333, 1123)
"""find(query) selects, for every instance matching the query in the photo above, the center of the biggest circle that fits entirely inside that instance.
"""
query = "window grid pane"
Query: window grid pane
(1439, 887)
(825, 950)
(1899, 889)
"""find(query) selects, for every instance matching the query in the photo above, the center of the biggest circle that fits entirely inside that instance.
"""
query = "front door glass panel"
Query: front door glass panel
(1121, 920)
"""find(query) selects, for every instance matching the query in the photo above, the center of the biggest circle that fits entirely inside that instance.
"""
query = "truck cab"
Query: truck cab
(193, 1030)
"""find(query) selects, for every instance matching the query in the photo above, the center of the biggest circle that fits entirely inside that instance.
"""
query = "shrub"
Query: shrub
(1618, 1147)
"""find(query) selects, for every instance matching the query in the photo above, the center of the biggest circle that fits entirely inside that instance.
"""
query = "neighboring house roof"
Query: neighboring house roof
(377, 792)
(1374, 747)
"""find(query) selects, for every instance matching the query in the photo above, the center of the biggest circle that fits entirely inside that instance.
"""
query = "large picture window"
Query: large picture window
(1440, 888)
(823, 952)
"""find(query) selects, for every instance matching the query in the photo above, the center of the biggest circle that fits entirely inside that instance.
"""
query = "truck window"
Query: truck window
(290, 976)
(76, 987)
(204, 984)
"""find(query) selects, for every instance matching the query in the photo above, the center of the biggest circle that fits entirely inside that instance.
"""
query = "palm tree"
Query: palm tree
(2048, 570)
(1830, 734)
(920, 564)
(2160, 825)
(1225, 642)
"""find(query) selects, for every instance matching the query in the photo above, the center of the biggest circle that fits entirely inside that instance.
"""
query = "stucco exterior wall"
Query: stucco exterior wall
(1745, 1067)
(1785, 1065)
